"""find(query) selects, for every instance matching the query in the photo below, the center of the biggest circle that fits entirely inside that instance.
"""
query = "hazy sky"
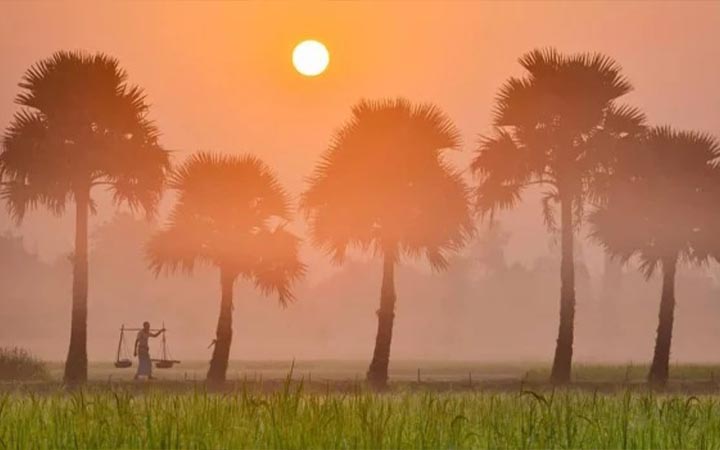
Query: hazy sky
(219, 75)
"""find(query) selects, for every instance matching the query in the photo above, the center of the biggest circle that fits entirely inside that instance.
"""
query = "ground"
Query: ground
(693, 378)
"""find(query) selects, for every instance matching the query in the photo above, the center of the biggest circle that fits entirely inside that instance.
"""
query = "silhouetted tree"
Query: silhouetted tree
(81, 126)
(230, 213)
(661, 206)
(384, 186)
(558, 127)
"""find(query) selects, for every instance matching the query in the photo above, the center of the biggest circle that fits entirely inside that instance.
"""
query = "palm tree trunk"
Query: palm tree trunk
(223, 336)
(562, 363)
(611, 326)
(76, 363)
(659, 370)
(377, 375)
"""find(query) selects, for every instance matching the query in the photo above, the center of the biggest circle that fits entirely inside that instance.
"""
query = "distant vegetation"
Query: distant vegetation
(17, 364)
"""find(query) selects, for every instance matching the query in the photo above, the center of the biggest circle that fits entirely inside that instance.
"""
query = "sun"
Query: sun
(310, 58)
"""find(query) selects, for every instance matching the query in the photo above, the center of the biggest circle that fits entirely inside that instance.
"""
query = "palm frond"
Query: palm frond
(624, 120)
(178, 247)
(279, 266)
(603, 69)
(516, 103)
(542, 62)
(21, 198)
(35, 166)
(503, 169)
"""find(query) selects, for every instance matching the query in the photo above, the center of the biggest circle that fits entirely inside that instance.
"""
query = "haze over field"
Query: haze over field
(219, 78)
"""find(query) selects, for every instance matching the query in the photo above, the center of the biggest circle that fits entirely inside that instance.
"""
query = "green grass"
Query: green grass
(632, 373)
(324, 405)
(292, 418)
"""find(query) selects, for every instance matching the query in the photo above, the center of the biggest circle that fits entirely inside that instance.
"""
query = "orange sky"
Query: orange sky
(219, 75)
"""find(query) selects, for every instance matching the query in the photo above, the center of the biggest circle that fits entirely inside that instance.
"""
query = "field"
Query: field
(290, 418)
(407, 371)
(322, 405)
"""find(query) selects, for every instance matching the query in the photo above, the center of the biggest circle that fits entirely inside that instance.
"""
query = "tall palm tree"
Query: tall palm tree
(384, 186)
(559, 127)
(661, 206)
(230, 214)
(81, 126)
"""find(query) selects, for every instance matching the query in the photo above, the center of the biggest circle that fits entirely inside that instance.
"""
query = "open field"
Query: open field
(293, 418)
(405, 371)
(324, 404)
(349, 376)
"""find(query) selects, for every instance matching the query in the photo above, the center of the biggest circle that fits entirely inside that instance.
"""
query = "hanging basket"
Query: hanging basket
(123, 363)
(166, 363)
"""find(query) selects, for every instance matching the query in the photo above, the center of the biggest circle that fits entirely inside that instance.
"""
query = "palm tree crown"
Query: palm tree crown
(230, 213)
(81, 125)
(383, 185)
(662, 201)
(557, 126)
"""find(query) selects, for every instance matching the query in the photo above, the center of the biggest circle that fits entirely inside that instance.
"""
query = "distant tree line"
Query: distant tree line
(384, 186)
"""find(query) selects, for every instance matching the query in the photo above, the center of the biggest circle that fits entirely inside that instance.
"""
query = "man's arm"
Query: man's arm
(159, 332)
(135, 346)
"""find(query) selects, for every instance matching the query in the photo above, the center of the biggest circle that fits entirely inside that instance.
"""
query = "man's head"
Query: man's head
(146, 326)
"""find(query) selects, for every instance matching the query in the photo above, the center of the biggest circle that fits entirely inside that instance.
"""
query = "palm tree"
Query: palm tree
(558, 127)
(230, 214)
(661, 207)
(81, 126)
(384, 186)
